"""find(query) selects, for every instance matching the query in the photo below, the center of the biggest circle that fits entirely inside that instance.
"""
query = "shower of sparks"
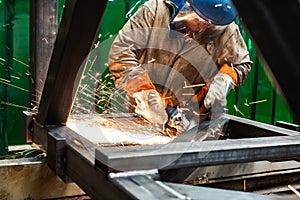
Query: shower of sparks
(13, 105)
(93, 77)
(255, 102)
(99, 97)
(5, 25)
(188, 94)
(15, 77)
(237, 110)
(97, 44)
(105, 35)
(192, 86)
(45, 39)
(97, 94)
(7, 82)
(246, 103)
(151, 61)
(19, 61)
(92, 64)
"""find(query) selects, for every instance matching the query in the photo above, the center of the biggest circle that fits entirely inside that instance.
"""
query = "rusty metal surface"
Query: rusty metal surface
(43, 31)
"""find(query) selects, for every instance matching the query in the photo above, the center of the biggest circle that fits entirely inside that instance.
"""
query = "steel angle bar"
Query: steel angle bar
(78, 29)
(43, 31)
(205, 193)
(193, 154)
(234, 171)
(144, 187)
(290, 126)
(241, 128)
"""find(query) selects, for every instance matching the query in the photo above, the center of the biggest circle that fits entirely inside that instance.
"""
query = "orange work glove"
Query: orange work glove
(148, 101)
(226, 69)
(139, 83)
(223, 82)
(167, 101)
(200, 96)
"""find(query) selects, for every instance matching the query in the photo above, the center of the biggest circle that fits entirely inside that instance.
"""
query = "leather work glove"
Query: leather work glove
(150, 106)
(218, 90)
(214, 93)
(223, 82)
(148, 101)
(138, 83)
(199, 97)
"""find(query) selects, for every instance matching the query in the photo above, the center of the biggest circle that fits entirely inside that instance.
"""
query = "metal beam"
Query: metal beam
(225, 172)
(76, 161)
(187, 154)
(239, 127)
(43, 31)
(78, 28)
(206, 193)
(145, 187)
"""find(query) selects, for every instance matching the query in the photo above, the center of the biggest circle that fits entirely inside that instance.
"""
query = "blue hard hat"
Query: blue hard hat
(179, 3)
(218, 12)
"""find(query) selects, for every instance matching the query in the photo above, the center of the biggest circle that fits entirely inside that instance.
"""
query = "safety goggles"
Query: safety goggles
(188, 23)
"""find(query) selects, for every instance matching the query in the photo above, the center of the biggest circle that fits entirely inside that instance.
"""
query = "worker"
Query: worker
(175, 53)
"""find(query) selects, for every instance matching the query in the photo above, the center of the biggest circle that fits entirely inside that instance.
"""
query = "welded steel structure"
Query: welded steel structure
(147, 172)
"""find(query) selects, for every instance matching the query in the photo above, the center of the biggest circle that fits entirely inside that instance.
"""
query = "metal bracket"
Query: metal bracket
(27, 126)
(56, 154)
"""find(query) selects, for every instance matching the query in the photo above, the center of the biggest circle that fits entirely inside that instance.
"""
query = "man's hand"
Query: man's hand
(218, 90)
(150, 106)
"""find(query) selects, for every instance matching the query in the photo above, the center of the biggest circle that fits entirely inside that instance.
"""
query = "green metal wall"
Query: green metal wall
(258, 99)
(14, 70)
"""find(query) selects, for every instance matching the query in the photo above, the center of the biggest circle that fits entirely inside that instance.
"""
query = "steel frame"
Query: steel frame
(73, 157)
(195, 154)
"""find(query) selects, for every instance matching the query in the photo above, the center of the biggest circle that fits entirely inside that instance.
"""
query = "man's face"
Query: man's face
(189, 23)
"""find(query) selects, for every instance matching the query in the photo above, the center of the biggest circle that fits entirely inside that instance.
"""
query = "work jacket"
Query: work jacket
(176, 66)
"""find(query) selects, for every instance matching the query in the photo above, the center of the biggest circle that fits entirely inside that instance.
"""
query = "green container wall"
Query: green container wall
(14, 69)
(3, 91)
(257, 99)
(14, 75)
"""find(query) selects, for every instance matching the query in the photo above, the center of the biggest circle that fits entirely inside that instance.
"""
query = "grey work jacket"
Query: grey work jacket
(174, 65)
